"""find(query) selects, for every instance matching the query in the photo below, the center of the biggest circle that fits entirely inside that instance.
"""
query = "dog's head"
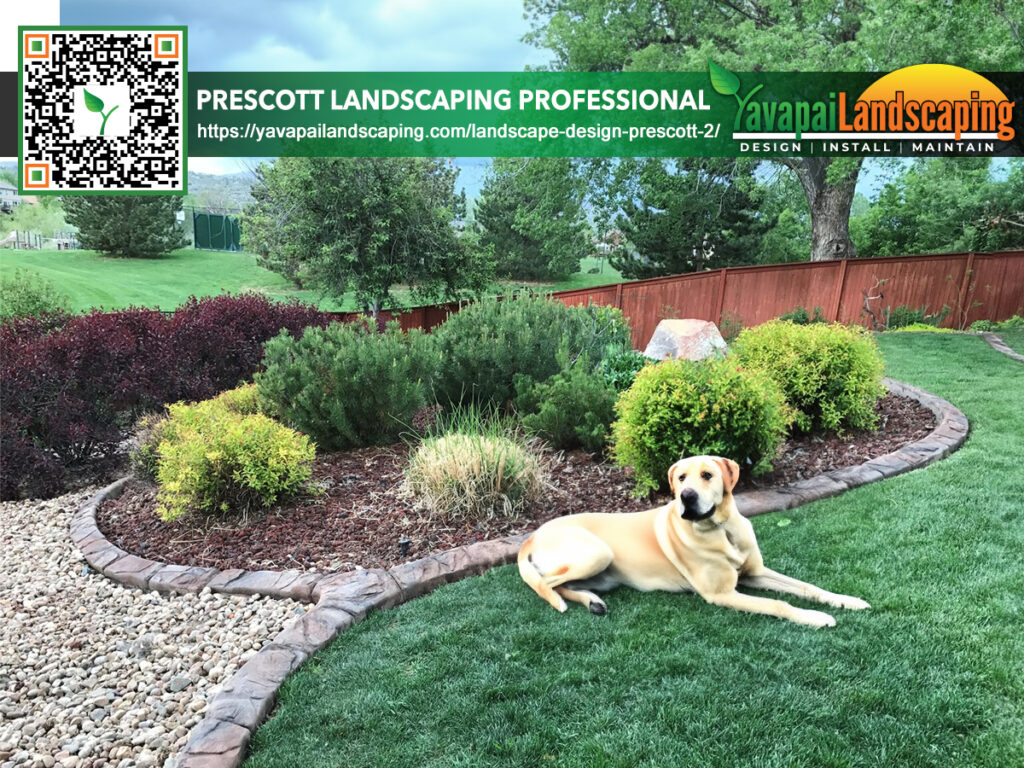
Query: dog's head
(700, 484)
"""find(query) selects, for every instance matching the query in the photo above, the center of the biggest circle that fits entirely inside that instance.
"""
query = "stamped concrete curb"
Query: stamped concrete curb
(244, 701)
(999, 345)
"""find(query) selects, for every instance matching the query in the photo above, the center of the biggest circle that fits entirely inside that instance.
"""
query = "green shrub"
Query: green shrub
(244, 400)
(23, 293)
(903, 316)
(1010, 324)
(620, 369)
(346, 385)
(831, 374)
(478, 466)
(572, 409)
(681, 408)
(214, 461)
(484, 346)
(800, 316)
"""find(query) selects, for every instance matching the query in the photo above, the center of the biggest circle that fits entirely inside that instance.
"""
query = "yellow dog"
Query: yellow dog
(698, 542)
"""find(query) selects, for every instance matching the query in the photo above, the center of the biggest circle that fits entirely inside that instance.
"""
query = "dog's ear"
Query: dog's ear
(672, 477)
(730, 472)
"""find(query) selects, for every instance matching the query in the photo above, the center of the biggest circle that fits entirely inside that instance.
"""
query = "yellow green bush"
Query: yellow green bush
(831, 374)
(212, 460)
(680, 408)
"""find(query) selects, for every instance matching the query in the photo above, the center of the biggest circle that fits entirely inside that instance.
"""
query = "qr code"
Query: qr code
(103, 110)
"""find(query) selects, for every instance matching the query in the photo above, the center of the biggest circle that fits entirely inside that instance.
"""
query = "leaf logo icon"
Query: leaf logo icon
(95, 104)
(92, 102)
(722, 80)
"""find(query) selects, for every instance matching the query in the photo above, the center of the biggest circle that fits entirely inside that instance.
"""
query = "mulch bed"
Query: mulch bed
(363, 521)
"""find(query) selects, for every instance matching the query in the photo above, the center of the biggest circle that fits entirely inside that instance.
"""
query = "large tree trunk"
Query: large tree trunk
(829, 205)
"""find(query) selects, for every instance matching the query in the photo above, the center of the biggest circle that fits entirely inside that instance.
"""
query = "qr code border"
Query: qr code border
(29, 28)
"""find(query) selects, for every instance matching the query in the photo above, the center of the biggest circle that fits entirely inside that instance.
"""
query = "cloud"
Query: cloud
(378, 35)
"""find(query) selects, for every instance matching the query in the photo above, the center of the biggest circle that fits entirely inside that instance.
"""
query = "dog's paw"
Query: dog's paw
(598, 608)
(815, 619)
(851, 603)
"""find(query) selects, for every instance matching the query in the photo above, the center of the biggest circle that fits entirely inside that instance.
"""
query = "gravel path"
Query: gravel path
(93, 673)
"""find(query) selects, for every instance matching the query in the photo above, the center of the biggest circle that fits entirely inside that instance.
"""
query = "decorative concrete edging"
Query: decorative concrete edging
(341, 600)
(994, 341)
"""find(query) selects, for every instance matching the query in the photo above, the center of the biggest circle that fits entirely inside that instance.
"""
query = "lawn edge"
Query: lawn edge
(994, 341)
(340, 600)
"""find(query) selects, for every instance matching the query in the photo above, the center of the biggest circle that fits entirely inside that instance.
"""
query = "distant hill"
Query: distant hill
(227, 193)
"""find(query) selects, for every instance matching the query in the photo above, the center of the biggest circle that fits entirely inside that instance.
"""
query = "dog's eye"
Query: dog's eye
(706, 475)
(682, 476)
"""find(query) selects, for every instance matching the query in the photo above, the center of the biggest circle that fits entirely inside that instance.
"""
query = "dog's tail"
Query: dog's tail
(533, 577)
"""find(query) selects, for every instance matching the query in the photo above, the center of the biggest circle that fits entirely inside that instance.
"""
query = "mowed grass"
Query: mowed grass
(1014, 339)
(92, 280)
(483, 673)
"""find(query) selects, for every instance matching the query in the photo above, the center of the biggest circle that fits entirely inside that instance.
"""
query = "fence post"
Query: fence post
(965, 287)
(717, 317)
(618, 296)
(838, 298)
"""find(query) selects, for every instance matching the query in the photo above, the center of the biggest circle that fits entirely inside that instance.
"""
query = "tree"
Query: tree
(531, 211)
(814, 35)
(126, 226)
(945, 204)
(686, 216)
(365, 225)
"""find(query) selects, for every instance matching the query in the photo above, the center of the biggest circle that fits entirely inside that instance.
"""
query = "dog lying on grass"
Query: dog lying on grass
(698, 542)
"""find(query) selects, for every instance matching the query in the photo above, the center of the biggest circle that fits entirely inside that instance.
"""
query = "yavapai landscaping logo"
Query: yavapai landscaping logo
(96, 110)
(937, 108)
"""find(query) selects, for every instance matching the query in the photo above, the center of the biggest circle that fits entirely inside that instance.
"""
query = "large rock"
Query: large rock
(688, 339)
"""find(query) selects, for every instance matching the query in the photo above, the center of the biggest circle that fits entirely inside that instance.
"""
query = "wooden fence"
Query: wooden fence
(975, 286)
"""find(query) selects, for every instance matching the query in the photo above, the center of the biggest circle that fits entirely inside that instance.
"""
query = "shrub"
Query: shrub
(903, 316)
(153, 428)
(23, 294)
(478, 467)
(831, 374)
(347, 385)
(1011, 323)
(572, 409)
(800, 316)
(485, 345)
(214, 461)
(619, 370)
(680, 408)
(73, 387)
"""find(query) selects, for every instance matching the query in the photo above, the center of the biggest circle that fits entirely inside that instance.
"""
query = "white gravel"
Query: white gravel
(93, 673)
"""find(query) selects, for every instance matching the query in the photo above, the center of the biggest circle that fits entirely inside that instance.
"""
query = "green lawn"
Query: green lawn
(1014, 339)
(483, 673)
(91, 280)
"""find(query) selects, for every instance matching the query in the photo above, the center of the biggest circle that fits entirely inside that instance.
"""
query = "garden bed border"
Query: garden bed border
(220, 739)
(996, 342)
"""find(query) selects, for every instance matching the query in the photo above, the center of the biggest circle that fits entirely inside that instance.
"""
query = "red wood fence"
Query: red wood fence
(975, 286)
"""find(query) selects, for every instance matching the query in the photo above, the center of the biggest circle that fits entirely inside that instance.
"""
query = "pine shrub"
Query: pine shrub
(572, 409)
(346, 385)
(680, 408)
(831, 374)
(484, 346)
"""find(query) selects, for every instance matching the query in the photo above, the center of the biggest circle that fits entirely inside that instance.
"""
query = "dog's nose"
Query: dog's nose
(688, 495)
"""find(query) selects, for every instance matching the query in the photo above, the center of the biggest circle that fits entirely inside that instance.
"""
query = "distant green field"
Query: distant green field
(91, 280)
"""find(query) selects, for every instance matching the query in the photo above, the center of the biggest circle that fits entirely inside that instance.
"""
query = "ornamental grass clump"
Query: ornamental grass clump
(831, 374)
(683, 408)
(211, 460)
(475, 467)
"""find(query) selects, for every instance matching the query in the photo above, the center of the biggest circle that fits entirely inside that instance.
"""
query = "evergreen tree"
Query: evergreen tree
(685, 216)
(365, 225)
(127, 226)
(531, 212)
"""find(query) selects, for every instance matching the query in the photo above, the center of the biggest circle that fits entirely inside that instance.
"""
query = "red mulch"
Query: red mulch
(362, 521)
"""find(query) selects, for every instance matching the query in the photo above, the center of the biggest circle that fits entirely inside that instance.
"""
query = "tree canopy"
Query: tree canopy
(531, 211)
(779, 35)
(365, 225)
(126, 225)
